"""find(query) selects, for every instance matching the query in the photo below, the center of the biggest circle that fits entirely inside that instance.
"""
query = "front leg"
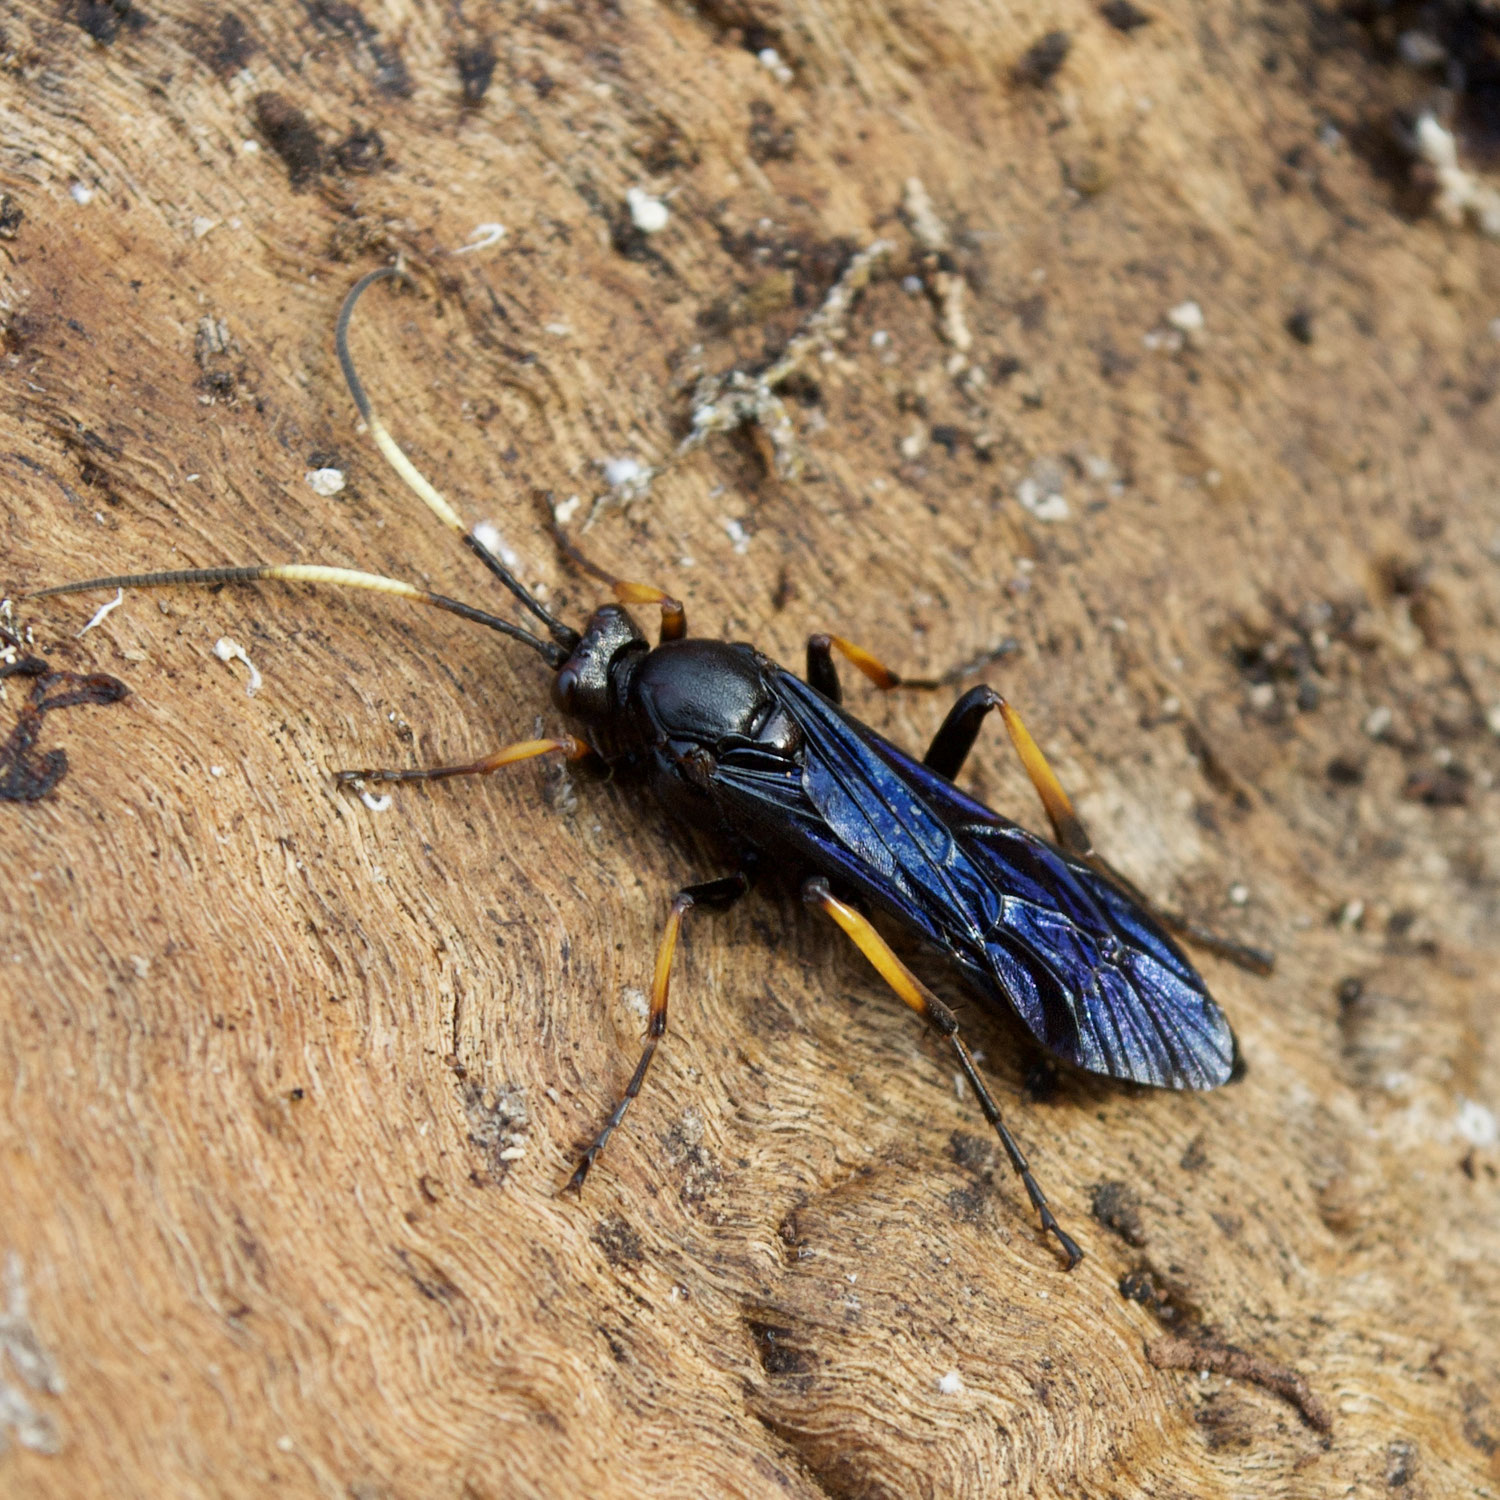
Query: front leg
(574, 749)
(673, 615)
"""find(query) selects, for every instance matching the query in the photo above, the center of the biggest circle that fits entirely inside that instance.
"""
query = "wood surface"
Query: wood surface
(289, 1088)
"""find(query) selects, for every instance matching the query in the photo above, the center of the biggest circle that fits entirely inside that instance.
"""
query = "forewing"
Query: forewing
(1094, 979)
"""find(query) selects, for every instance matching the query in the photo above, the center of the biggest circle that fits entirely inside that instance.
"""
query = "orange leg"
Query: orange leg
(574, 749)
(951, 745)
(927, 1005)
(716, 894)
(822, 674)
(950, 748)
(673, 616)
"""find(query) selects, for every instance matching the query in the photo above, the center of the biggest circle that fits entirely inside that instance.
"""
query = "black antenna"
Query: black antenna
(564, 635)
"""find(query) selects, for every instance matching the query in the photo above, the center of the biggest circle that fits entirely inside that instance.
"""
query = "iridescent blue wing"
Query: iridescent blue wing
(1093, 977)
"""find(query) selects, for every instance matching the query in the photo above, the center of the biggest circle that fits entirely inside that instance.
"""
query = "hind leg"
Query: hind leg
(927, 1005)
(950, 748)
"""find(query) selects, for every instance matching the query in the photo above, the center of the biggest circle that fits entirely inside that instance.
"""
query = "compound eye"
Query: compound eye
(564, 685)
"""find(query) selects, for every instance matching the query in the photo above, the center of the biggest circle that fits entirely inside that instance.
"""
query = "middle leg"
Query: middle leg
(719, 895)
(824, 676)
(955, 738)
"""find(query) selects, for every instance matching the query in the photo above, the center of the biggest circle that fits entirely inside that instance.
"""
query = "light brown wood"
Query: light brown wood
(289, 1088)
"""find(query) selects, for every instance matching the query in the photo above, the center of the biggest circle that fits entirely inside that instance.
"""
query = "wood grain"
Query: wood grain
(290, 1087)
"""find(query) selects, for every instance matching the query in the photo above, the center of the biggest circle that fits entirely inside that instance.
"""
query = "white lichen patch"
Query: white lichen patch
(647, 212)
(487, 534)
(325, 482)
(499, 1122)
(626, 474)
(927, 228)
(1044, 506)
(1041, 491)
(101, 614)
(739, 538)
(770, 59)
(228, 650)
(723, 403)
(481, 237)
(1476, 1123)
(945, 286)
(1186, 317)
(1461, 194)
(12, 639)
(1180, 326)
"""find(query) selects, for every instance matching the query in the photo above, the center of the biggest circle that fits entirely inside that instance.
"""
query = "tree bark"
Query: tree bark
(1158, 378)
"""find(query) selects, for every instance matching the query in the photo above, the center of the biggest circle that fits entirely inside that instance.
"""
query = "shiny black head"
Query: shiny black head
(589, 686)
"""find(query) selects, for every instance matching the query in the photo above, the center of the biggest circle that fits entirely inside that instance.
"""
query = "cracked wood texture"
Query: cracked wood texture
(290, 1086)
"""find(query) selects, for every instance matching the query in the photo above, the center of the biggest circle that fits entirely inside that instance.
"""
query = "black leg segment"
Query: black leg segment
(822, 674)
(951, 744)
